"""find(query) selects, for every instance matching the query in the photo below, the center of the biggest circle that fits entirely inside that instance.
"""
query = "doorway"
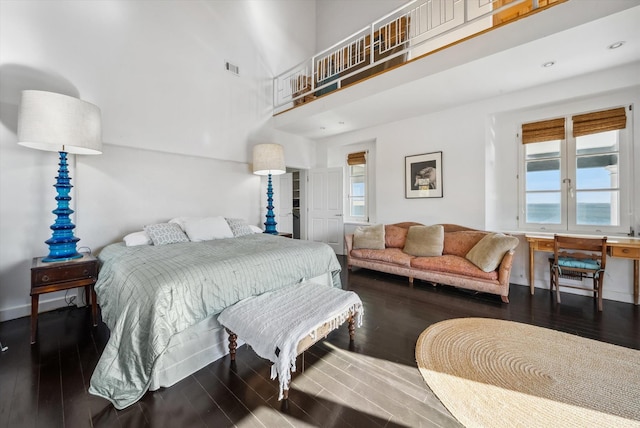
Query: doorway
(292, 214)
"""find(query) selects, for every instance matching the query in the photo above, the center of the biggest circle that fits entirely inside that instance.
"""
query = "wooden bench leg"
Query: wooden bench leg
(233, 345)
(352, 328)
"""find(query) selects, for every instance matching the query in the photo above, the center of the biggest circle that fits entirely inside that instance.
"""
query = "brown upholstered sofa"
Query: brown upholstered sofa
(451, 268)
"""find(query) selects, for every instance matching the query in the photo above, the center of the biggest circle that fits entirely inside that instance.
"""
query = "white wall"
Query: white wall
(480, 162)
(178, 128)
(338, 19)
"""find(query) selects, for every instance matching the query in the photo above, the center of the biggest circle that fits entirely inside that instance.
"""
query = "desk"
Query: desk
(626, 248)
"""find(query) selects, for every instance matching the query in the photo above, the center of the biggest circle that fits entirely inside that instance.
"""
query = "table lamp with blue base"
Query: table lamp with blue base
(55, 122)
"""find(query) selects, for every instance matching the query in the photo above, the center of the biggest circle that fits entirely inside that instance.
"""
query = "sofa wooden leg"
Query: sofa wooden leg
(505, 299)
(411, 281)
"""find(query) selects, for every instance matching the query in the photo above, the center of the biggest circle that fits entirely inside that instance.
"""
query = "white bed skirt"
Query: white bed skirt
(196, 347)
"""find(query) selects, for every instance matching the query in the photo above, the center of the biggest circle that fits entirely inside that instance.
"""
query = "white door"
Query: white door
(285, 208)
(325, 208)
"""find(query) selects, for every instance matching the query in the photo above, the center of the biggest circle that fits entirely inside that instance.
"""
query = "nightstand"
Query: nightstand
(56, 276)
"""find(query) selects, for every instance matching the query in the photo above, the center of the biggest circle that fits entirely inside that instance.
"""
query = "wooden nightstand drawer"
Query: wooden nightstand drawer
(64, 273)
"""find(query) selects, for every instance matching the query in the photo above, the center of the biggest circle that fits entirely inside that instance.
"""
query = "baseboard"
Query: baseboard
(44, 305)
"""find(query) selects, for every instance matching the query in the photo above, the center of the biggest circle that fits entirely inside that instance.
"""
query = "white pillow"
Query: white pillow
(255, 229)
(207, 228)
(181, 221)
(137, 238)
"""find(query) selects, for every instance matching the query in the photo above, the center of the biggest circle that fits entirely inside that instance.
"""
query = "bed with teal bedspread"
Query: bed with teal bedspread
(149, 293)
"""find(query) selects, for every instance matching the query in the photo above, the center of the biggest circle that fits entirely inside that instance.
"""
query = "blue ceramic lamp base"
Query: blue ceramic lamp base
(62, 244)
(270, 224)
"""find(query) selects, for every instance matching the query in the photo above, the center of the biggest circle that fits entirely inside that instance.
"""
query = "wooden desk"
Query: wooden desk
(626, 248)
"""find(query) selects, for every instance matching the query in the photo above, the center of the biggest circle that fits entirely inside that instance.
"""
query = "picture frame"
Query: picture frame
(423, 176)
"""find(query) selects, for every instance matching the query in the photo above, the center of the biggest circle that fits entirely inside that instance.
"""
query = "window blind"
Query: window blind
(358, 158)
(546, 130)
(599, 121)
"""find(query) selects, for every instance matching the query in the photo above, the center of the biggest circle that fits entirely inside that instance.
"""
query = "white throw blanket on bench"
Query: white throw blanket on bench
(280, 319)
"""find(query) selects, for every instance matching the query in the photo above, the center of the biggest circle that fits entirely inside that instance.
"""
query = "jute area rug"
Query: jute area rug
(494, 373)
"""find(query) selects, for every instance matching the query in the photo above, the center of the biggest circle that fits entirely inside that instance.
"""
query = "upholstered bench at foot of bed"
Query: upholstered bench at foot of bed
(282, 324)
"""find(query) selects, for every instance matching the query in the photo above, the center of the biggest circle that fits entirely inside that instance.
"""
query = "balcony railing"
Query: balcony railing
(411, 31)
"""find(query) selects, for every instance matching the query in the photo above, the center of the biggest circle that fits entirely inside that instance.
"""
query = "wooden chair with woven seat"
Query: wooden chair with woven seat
(578, 258)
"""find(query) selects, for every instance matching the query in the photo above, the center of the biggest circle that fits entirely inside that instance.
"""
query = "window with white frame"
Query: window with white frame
(576, 173)
(357, 191)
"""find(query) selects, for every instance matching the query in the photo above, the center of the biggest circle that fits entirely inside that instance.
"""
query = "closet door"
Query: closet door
(325, 208)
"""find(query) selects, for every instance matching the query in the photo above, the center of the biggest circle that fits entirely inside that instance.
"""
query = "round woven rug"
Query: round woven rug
(494, 373)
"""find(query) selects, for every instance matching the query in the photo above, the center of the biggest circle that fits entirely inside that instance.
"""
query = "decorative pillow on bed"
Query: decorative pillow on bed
(425, 241)
(369, 237)
(489, 251)
(207, 229)
(181, 221)
(239, 227)
(137, 238)
(165, 233)
(255, 229)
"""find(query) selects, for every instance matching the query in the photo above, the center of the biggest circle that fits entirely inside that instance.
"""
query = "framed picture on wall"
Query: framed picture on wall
(423, 175)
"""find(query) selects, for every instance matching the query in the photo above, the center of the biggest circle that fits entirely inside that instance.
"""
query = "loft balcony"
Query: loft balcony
(422, 40)
(410, 32)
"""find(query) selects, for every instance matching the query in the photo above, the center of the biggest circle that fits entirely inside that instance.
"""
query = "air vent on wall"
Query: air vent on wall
(232, 68)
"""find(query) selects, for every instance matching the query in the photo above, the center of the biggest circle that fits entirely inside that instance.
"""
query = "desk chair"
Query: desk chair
(578, 258)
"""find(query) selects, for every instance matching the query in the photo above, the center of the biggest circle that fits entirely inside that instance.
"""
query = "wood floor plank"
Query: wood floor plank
(20, 372)
(50, 400)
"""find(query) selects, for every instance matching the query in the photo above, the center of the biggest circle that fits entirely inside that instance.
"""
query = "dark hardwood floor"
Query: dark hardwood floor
(372, 383)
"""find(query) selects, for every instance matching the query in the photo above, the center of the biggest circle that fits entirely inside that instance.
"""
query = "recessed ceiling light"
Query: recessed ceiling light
(549, 64)
(341, 123)
(616, 45)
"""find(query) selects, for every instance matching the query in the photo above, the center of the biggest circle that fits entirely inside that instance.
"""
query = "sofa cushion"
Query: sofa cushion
(459, 243)
(489, 251)
(395, 236)
(452, 264)
(425, 241)
(390, 255)
(369, 237)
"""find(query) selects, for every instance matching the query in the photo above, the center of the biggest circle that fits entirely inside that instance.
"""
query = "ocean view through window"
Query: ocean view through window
(574, 183)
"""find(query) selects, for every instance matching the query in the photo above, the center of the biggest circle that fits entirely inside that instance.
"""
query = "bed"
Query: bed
(160, 303)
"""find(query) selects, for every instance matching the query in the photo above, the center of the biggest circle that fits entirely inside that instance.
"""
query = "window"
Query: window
(577, 179)
(357, 192)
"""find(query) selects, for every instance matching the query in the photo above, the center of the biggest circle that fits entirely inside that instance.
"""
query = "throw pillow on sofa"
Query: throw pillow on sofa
(369, 237)
(395, 236)
(425, 241)
(489, 251)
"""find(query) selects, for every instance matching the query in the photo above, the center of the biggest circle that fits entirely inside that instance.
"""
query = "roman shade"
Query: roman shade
(546, 130)
(599, 121)
(359, 158)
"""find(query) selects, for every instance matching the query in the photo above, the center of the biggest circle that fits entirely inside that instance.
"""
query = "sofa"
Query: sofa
(456, 257)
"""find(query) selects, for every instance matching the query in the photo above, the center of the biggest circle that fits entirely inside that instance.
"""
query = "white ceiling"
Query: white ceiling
(575, 35)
